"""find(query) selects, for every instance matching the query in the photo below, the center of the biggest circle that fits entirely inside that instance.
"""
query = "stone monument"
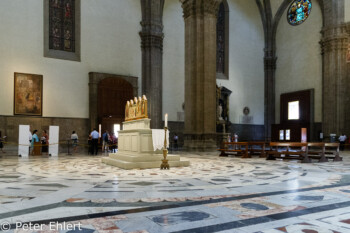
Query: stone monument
(135, 144)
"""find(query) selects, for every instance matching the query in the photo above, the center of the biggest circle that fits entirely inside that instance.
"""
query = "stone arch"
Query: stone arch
(95, 79)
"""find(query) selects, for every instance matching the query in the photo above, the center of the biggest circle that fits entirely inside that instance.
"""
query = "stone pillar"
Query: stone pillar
(93, 93)
(270, 71)
(152, 58)
(200, 73)
(334, 46)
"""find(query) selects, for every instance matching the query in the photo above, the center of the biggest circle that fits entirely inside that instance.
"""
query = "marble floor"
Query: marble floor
(78, 193)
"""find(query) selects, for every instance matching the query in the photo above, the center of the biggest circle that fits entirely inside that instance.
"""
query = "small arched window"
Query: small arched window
(222, 41)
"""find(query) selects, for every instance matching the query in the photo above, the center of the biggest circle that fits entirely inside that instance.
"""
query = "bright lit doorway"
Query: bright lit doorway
(116, 128)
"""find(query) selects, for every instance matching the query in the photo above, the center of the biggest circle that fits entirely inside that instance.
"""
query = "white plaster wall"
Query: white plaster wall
(347, 10)
(110, 43)
(246, 67)
(275, 4)
(173, 59)
(299, 61)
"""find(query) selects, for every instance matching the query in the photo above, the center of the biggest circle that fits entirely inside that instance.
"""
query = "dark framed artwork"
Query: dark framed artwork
(28, 94)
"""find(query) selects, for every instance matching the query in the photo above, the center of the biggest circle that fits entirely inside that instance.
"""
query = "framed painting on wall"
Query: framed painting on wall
(28, 94)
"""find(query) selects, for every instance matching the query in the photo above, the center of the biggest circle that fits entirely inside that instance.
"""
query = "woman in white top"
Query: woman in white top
(74, 138)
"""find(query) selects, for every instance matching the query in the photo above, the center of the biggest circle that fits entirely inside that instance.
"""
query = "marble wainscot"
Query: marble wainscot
(135, 148)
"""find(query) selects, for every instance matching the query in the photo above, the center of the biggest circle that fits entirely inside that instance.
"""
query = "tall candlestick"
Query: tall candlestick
(166, 120)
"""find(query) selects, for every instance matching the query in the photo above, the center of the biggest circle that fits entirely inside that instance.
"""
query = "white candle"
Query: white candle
(166, 120)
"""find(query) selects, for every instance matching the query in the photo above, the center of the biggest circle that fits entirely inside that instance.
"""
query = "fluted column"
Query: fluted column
(334, 46)
(152, 58)
(200, 73)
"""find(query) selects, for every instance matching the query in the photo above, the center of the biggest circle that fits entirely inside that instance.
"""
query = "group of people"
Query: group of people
(44, 139)
(109, 142)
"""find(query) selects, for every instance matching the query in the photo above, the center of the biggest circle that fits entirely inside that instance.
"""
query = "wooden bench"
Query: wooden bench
(325, 151)
(228, 148)
(332, 148)
(316, 150)
(290, 150)
(257, 147)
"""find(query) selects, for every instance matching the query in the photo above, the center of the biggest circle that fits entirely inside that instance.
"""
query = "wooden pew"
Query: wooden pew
(277, 149)
(228, 148)
(335, 152)
(326, 151)
(260, 150)
(316, 150)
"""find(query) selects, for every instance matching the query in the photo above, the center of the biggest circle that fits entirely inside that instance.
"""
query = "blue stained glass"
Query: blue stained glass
(299, 11)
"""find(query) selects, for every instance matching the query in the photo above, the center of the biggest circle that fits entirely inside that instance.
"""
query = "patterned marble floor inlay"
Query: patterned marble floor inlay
(213, 194)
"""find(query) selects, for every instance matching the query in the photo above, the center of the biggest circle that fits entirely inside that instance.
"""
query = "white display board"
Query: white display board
(53, 140)
(23, 140)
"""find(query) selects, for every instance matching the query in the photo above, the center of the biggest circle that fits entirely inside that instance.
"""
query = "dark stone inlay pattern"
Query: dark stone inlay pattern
(180, 190)
(82, 230)
(308, 198)
(263, 174)
(254, 206)
(233, 187)
(50, 185)
(9, 177)
(165, 205)
(221, 180)
(103, 191)
(144, 183)
(345, 190)
(265, 219)
(179, 217)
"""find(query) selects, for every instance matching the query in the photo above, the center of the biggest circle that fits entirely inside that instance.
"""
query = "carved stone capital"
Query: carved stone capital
(200, 7)
(151, 40)
(211, 7)
(270, 63)
(334, 44)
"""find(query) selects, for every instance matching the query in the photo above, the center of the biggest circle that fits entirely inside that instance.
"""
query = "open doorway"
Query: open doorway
(113, 93)
(116, 129)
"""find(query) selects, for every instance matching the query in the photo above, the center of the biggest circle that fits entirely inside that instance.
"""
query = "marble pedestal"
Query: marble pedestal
(135, 148)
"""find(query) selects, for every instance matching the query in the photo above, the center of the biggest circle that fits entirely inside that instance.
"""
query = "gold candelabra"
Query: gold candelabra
(165, 164)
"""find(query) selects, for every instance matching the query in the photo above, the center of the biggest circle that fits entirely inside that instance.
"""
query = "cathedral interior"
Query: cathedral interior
(251, 93)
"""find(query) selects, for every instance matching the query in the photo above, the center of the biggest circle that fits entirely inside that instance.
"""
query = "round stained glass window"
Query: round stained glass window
(298, 11)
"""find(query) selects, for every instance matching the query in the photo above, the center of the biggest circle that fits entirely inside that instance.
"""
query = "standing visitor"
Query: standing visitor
(90, 149)
(114, 143)
(105, 139)
(342, 140)
(235, 139)
(44, 142)
(74, 137)
(176, 139)
(94, 136)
